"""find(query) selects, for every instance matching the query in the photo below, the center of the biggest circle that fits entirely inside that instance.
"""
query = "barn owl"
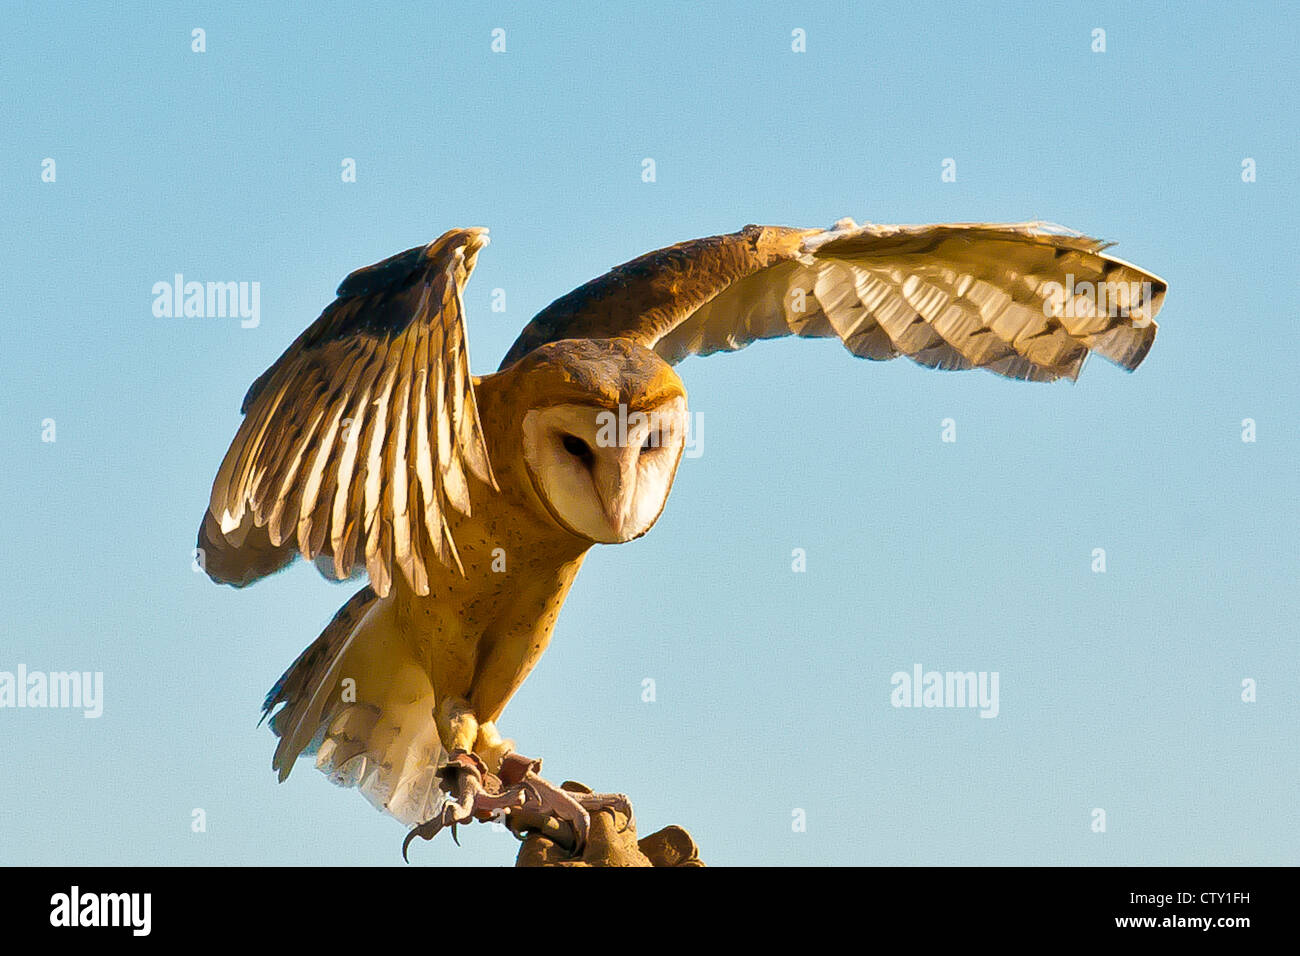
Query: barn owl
(470, 502)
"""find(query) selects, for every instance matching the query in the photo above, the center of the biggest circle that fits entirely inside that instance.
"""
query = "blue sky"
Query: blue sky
(1120, 691)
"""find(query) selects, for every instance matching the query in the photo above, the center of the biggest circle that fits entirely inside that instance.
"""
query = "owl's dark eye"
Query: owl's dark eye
(578, 448)
(652, 441)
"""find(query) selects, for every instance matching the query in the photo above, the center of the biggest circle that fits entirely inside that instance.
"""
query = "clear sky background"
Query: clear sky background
(1120, 691)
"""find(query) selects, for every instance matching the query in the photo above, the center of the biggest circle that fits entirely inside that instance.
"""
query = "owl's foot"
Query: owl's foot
(472, 794)
(518, 797)
(561, 813)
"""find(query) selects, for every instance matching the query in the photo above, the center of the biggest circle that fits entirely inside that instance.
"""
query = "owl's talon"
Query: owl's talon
(594, 802)
(617, 803)
(462, 782)
(624, 805)
(521, 798)
(451, 814)
(572, 804)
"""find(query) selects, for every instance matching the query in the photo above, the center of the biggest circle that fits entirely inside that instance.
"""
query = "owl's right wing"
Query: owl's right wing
(362, 435)
(1008, 298)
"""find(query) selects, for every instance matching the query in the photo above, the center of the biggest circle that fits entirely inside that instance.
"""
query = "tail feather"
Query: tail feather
(363, 707)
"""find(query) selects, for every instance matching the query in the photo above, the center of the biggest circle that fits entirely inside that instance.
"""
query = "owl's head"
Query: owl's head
(603, 435)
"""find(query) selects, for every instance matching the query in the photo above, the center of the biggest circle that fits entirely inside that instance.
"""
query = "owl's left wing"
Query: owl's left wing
(1023, 300)
(358, 441)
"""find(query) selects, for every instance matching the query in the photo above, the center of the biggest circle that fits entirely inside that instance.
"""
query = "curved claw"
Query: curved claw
(615, 803)
(451, 815)
(581, 827)
(593, 802)
(411, 835)
(631, 814)
(523, 823)
(545, 798)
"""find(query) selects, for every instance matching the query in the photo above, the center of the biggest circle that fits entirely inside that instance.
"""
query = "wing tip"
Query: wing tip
(399, 269)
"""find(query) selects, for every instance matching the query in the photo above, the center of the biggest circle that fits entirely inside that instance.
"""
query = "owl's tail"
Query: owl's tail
(363, 708)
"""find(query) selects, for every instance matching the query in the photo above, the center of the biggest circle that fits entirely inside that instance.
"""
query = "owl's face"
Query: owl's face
(605, 473)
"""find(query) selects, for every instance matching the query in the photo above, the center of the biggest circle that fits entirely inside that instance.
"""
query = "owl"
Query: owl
(470, 502)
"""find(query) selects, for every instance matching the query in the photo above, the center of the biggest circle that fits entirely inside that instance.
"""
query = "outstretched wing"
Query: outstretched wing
(1025, 300)
(361, 436)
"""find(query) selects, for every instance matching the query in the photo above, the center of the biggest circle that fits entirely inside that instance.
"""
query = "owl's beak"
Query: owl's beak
(615, 480)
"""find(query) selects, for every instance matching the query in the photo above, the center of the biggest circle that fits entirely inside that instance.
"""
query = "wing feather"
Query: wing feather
(360, 437)
(952, 296)
(399, 465)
